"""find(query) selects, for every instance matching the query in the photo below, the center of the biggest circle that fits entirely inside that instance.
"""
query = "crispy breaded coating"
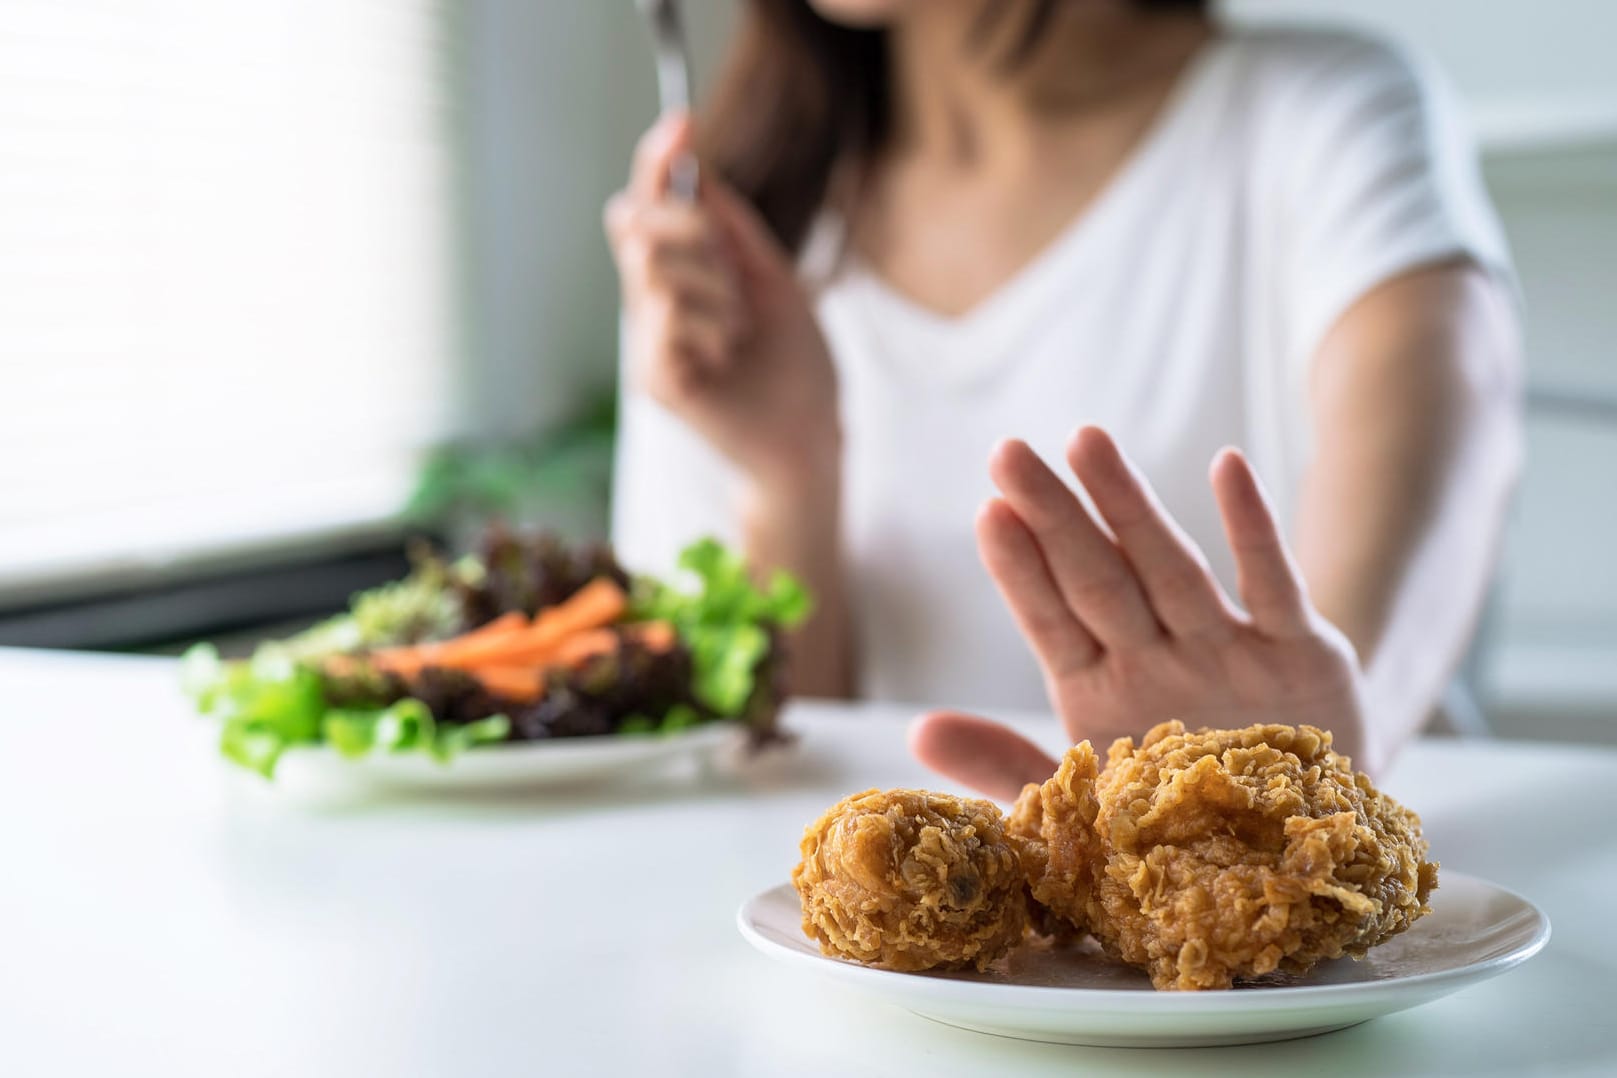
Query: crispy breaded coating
(1053, 829)
(911, 880)
(1213, 856)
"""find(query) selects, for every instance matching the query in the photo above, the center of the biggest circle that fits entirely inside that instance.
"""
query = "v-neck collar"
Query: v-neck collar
(1034, 274)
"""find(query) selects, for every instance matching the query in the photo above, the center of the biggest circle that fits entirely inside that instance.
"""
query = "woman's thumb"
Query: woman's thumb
(978, 753)
(654, 155)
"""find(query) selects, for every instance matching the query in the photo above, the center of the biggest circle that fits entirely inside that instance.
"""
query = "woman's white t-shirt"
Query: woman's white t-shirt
(1290, 172)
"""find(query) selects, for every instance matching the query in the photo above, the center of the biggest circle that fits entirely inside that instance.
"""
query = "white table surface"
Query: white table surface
(160, 914)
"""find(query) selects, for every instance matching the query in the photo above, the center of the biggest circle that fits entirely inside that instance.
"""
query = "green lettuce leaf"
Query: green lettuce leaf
(273, 702)
(451, 740)
(727, 621)
(422, 606)
(679, 717)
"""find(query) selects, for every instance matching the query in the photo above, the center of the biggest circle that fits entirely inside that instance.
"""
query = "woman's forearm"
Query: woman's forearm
(795, 523)
(1401, 513)
(1406, 580)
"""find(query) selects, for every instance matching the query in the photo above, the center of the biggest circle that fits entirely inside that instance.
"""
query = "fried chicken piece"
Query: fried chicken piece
(1052, 828)
(912, 880)
(1218, 855)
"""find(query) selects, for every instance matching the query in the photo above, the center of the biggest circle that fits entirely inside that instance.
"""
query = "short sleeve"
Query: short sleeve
(1379, 177)
(669, 487)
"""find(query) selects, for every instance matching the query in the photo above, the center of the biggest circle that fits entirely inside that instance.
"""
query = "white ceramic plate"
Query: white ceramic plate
(520, 766)
(1475, 931)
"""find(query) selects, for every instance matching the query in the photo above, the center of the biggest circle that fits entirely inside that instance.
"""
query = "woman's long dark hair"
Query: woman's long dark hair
(800, 93)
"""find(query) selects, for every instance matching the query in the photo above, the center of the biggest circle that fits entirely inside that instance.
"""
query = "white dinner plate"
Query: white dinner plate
(511, 767)
(1072, 996)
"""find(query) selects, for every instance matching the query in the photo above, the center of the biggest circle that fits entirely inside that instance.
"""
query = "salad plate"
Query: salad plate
(506, 768)
(527, 663)
(1476, 930)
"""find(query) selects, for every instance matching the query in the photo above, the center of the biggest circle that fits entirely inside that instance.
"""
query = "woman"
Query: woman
(927, 226)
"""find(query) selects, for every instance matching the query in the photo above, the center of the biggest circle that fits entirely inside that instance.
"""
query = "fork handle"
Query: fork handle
(673, 84)
(684, 176)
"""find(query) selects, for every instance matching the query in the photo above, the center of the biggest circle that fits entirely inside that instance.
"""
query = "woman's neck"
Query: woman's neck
(962, 95)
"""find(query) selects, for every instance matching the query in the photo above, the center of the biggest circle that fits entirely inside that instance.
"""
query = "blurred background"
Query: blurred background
(285, 282)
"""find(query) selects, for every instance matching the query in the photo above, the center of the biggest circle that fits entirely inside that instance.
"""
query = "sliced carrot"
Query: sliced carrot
(507, 654)
(408, 661)
(340, 665)
(600, 602)
(581, 647)
(486, 640)
(521, 683)
(596, 604)
(656, 636)
(405, 663)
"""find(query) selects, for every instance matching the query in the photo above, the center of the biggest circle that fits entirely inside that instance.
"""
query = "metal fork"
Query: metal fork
(673, 84)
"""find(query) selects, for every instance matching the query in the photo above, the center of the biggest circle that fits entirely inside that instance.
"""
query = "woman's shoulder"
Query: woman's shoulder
(1291, 63)
(1317, 97)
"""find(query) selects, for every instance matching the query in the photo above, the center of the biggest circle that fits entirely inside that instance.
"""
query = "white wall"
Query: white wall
(1557, 627)
(556, 92)
(1502, 54)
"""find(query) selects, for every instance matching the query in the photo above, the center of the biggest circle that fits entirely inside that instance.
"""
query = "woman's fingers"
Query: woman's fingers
(1096, 582)
(1271, 587)
(978, 753)
(645, 235)
(665, 140)
(677, 281)
(681, 264)
(1170, 567)
(694, 284)
(738, 221)
(686, 333)
(702, 288)
(1018, 567)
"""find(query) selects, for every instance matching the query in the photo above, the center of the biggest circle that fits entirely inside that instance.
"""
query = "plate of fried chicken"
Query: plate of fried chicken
(1201, 888)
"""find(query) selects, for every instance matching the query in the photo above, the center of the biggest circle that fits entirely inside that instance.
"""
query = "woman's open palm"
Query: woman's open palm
(1131, 628)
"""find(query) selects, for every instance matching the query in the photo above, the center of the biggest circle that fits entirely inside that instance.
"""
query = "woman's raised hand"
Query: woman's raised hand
(1130, 627)
(720, 330)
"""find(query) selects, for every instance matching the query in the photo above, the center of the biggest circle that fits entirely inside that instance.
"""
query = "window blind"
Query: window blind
(226, 274)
